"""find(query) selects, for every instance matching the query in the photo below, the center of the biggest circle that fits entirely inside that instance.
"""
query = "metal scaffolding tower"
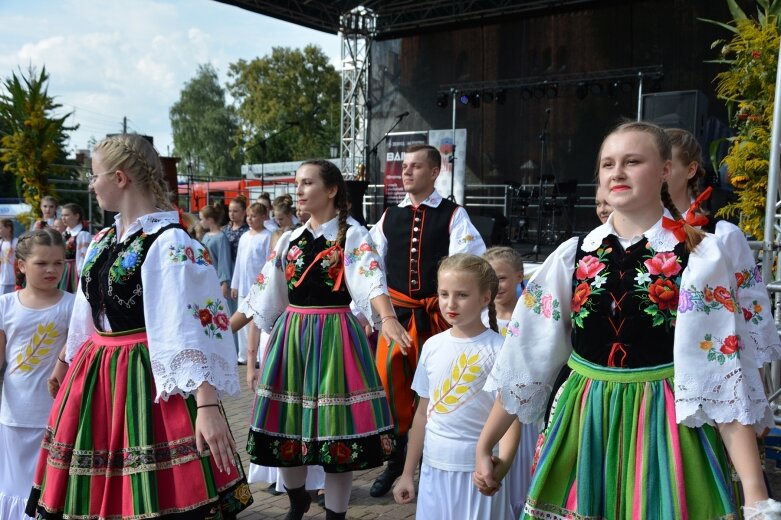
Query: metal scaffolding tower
(357, 30)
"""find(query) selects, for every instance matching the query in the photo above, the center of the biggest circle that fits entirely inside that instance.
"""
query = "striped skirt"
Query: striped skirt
(319, 399)
(111, 452)
(70, 277)
(613, 450)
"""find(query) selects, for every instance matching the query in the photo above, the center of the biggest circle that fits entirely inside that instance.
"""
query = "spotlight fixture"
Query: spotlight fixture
(442, 100)
(596, 89)
(552, 91)
(526, 93)
(581, 90)
(464, 99)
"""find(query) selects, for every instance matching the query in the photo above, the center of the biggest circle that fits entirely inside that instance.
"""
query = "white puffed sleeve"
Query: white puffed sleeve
(363, 271)
(538, 341)
(379, 240)
(716, 376)
(267, 298)
(761, 333)
(187, 321)
(464, 236)
(83, 241)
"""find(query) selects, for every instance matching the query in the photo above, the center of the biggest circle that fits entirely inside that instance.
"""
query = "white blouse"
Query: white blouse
(182, 287)
(364, 277)
(707, 389)
(250, 257)
(83, 240)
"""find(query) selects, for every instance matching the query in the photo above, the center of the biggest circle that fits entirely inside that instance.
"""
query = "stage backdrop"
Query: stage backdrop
(442, 140)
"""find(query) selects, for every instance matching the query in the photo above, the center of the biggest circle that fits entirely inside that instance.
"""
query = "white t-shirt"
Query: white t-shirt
(34, 339)
(251, 255)
(451, 373)
(7, 259)
(501, 324)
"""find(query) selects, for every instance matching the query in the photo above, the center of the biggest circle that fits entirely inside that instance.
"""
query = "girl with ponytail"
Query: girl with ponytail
(318, 371)
(148, 356)
(631, 338)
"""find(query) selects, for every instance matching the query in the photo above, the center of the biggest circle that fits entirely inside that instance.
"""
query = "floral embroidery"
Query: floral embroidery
(657, 287)
(465, 239)
(295, 263)
(748, 278)
(36, 348)
(339, 452)
(212, 317)
(356, 254)
(102, 241)
(728, 349)
(589, 268)
(374, 265)
(753, 314)
(185, 253)
(546, 304)
(286, 450)
(707, 300)
(261, 281)
(128, 261)
(454, 391)
(331, 266)
(513, 329)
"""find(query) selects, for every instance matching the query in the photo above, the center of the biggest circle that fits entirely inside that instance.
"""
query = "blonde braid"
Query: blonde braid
(693, 235)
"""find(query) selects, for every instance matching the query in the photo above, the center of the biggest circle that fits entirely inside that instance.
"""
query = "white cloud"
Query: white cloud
(113, 58)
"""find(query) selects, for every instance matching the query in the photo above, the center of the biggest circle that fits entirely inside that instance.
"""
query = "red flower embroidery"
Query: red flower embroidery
(707, 295)
(289, 449)
(730, 345)
(588, 267)
(747, 314)
(189, 253)
(260, 279)
(723, 296)
(582, 292)
(740, 278)
(290, 271)
(365, 247)
(221, 320)
(206, 256)
(294, 253)
(340, 452)
(374, 264)
(663, 263)
(271, 256)
(205, 316)
(664, 293)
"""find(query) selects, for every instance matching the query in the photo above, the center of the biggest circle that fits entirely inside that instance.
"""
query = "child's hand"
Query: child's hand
(484, 475)
(234, 293)
(404, 490)
(225, 290)
(54, 381)
(252, 375)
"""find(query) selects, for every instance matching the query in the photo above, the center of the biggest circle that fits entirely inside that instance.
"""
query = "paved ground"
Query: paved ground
(267, 506)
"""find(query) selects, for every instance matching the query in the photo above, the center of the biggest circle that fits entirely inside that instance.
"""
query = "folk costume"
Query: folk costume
(411, 241)
(451, 374)
(34, 338)
(120, 437)
(77, 240)
(319, 399)
(657, 351)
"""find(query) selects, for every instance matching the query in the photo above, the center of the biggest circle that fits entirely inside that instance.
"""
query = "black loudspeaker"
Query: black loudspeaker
(491, 228)
(687, 109)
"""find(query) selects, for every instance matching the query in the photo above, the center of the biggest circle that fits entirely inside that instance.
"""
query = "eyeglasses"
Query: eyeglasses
(92, 176)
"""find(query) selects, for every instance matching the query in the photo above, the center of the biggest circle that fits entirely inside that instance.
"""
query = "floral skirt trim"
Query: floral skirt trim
(110, 451)
(70, 277)
(613, 450)
(319, 399)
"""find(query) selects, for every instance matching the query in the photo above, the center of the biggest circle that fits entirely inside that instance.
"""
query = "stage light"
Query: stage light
(539, 92)
(464, 99)
(500, 95)
(526, 93)
(596, 89)
(627, 86)
(581, 90)
(552, 91)
(442, 100)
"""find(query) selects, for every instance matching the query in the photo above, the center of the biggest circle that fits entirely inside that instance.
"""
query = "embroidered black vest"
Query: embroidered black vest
(316, 289)
(111, 278)
(625, 302)
(418, 238)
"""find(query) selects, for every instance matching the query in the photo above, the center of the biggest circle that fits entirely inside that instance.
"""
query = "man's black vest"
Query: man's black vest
(418, 238)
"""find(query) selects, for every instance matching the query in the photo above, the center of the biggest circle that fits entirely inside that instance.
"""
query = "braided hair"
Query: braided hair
(332, 177)
(483, 273)
(137, 157)
(689, 151)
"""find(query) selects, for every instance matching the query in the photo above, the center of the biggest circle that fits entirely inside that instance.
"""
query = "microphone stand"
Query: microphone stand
(543, 137)
(373, 149)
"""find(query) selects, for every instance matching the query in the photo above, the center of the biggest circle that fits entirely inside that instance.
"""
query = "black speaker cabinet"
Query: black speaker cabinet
(687, 109)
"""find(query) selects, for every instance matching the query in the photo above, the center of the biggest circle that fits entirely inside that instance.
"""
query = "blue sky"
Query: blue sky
(113, 58)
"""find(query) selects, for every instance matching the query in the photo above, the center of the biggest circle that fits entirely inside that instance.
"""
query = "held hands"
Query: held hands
(404, 490)
(394, 332)
(212, 433)
(488, 474)
(55, 380)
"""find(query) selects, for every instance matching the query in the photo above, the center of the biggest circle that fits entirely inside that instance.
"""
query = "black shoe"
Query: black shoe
(300, 500)
(272, 490)
(385, 481)
(330, 515)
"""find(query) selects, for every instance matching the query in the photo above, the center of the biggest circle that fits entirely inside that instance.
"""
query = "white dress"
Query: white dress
(251, 254)
(451, 373)
(34, 339)
(7, 259)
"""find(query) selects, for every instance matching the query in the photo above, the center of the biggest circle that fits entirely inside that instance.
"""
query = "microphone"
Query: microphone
(402, 115)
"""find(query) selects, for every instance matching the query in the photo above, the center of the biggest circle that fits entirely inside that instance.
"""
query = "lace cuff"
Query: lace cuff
(520, 395)
(737, 396)
(185, 371)
(72, 345)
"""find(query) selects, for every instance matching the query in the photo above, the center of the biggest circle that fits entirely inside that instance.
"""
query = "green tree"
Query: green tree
(290, 100)
(204, 127)
(32, 139)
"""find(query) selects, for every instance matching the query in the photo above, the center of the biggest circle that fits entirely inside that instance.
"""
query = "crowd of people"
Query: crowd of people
(623, 382)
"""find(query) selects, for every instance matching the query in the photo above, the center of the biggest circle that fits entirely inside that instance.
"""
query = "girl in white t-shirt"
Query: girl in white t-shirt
(33, 330)
(453, 407)
(7, 258)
